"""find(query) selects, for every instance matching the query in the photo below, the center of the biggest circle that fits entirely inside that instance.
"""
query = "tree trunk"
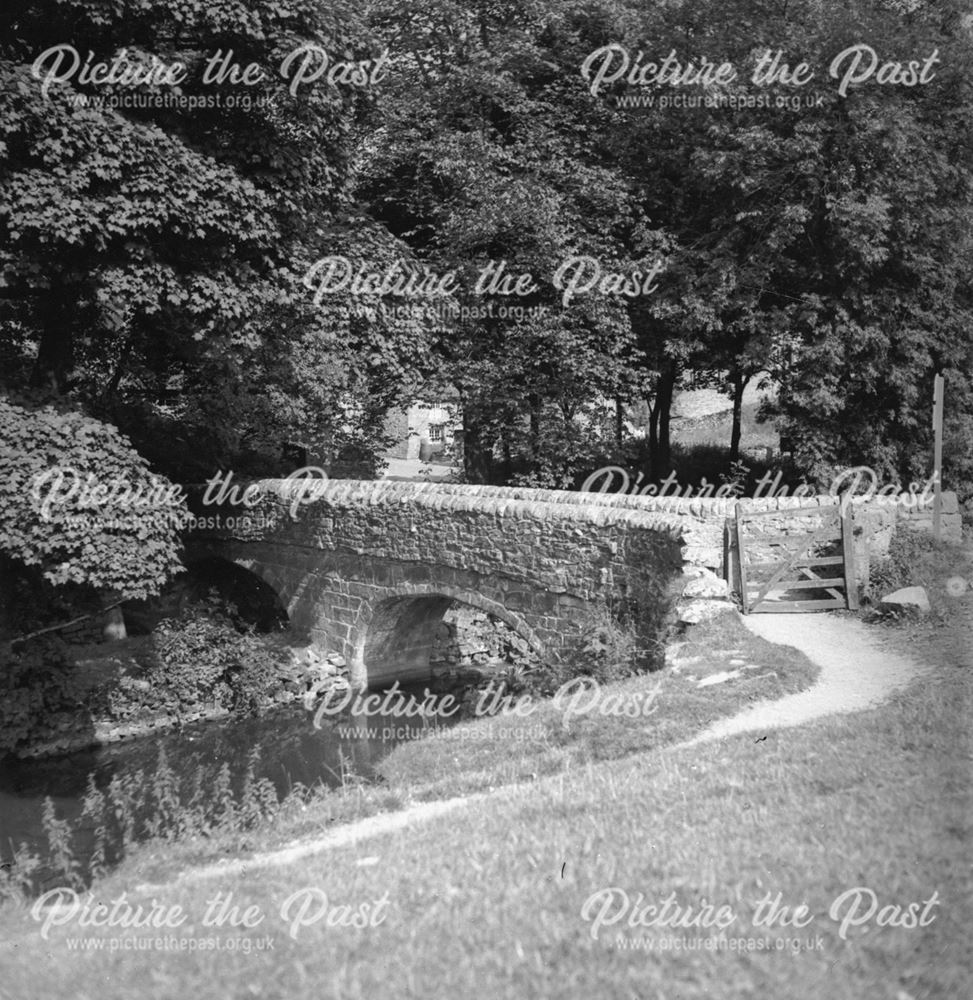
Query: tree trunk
(660, 448)
(55, 354)
(653, 439)
(535, 423)
(476, 457)
(508, 463)
(114, 626)
(740, 383)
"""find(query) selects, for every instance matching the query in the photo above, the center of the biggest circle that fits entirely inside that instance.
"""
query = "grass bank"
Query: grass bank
(542, 890)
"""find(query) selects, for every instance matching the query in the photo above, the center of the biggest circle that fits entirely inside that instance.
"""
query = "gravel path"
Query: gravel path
(856, 673)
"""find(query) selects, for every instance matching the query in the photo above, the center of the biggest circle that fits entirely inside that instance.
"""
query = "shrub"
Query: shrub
(210, 656)
(958, 460)
(599, 647)
(36, 683)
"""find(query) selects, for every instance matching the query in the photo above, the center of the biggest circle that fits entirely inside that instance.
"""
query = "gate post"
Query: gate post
(731, 557)
(741, 559)
(848, 551)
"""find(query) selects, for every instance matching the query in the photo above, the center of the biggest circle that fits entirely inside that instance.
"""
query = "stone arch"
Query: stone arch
(259, 598)
(395, 633)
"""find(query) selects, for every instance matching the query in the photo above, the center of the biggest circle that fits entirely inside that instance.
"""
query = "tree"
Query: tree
(484, 157)
(152, 257)
(879, 286)
(830, 245)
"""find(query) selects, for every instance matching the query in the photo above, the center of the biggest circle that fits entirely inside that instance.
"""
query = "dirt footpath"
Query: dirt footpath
(857, 672)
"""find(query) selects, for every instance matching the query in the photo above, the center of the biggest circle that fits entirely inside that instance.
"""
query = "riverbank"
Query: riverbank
(716, 670)
(141, 686)
(112, 698)
(801, 817)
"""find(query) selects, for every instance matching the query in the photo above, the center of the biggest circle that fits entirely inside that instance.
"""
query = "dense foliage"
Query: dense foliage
(80, 505)
(35, 686)
(828, 247)
(206, 658)
(154, 257)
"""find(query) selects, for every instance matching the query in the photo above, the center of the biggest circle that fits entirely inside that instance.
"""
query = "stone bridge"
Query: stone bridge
(368, 569)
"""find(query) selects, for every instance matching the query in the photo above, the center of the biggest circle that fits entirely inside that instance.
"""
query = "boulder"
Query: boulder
(707, 584)
(704, 611)
(319, 671)
(303, 655)
(908, 597)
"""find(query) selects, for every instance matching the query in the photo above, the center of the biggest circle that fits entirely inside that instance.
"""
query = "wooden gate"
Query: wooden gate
(779, 572)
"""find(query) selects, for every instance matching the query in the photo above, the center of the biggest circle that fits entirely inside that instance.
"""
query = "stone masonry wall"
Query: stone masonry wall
(702, 523)
(362, 566)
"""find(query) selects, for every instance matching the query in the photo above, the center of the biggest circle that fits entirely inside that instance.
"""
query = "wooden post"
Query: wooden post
(848, 551)
(741, 556)
(731, 556)
(937, 470)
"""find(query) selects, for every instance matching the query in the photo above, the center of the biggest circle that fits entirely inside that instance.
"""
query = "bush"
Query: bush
(53, 464)
(36, 683)
(958, 460)
(207, 658)
(210, 656)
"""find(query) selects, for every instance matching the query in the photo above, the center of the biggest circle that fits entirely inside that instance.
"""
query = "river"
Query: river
(292, 750)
